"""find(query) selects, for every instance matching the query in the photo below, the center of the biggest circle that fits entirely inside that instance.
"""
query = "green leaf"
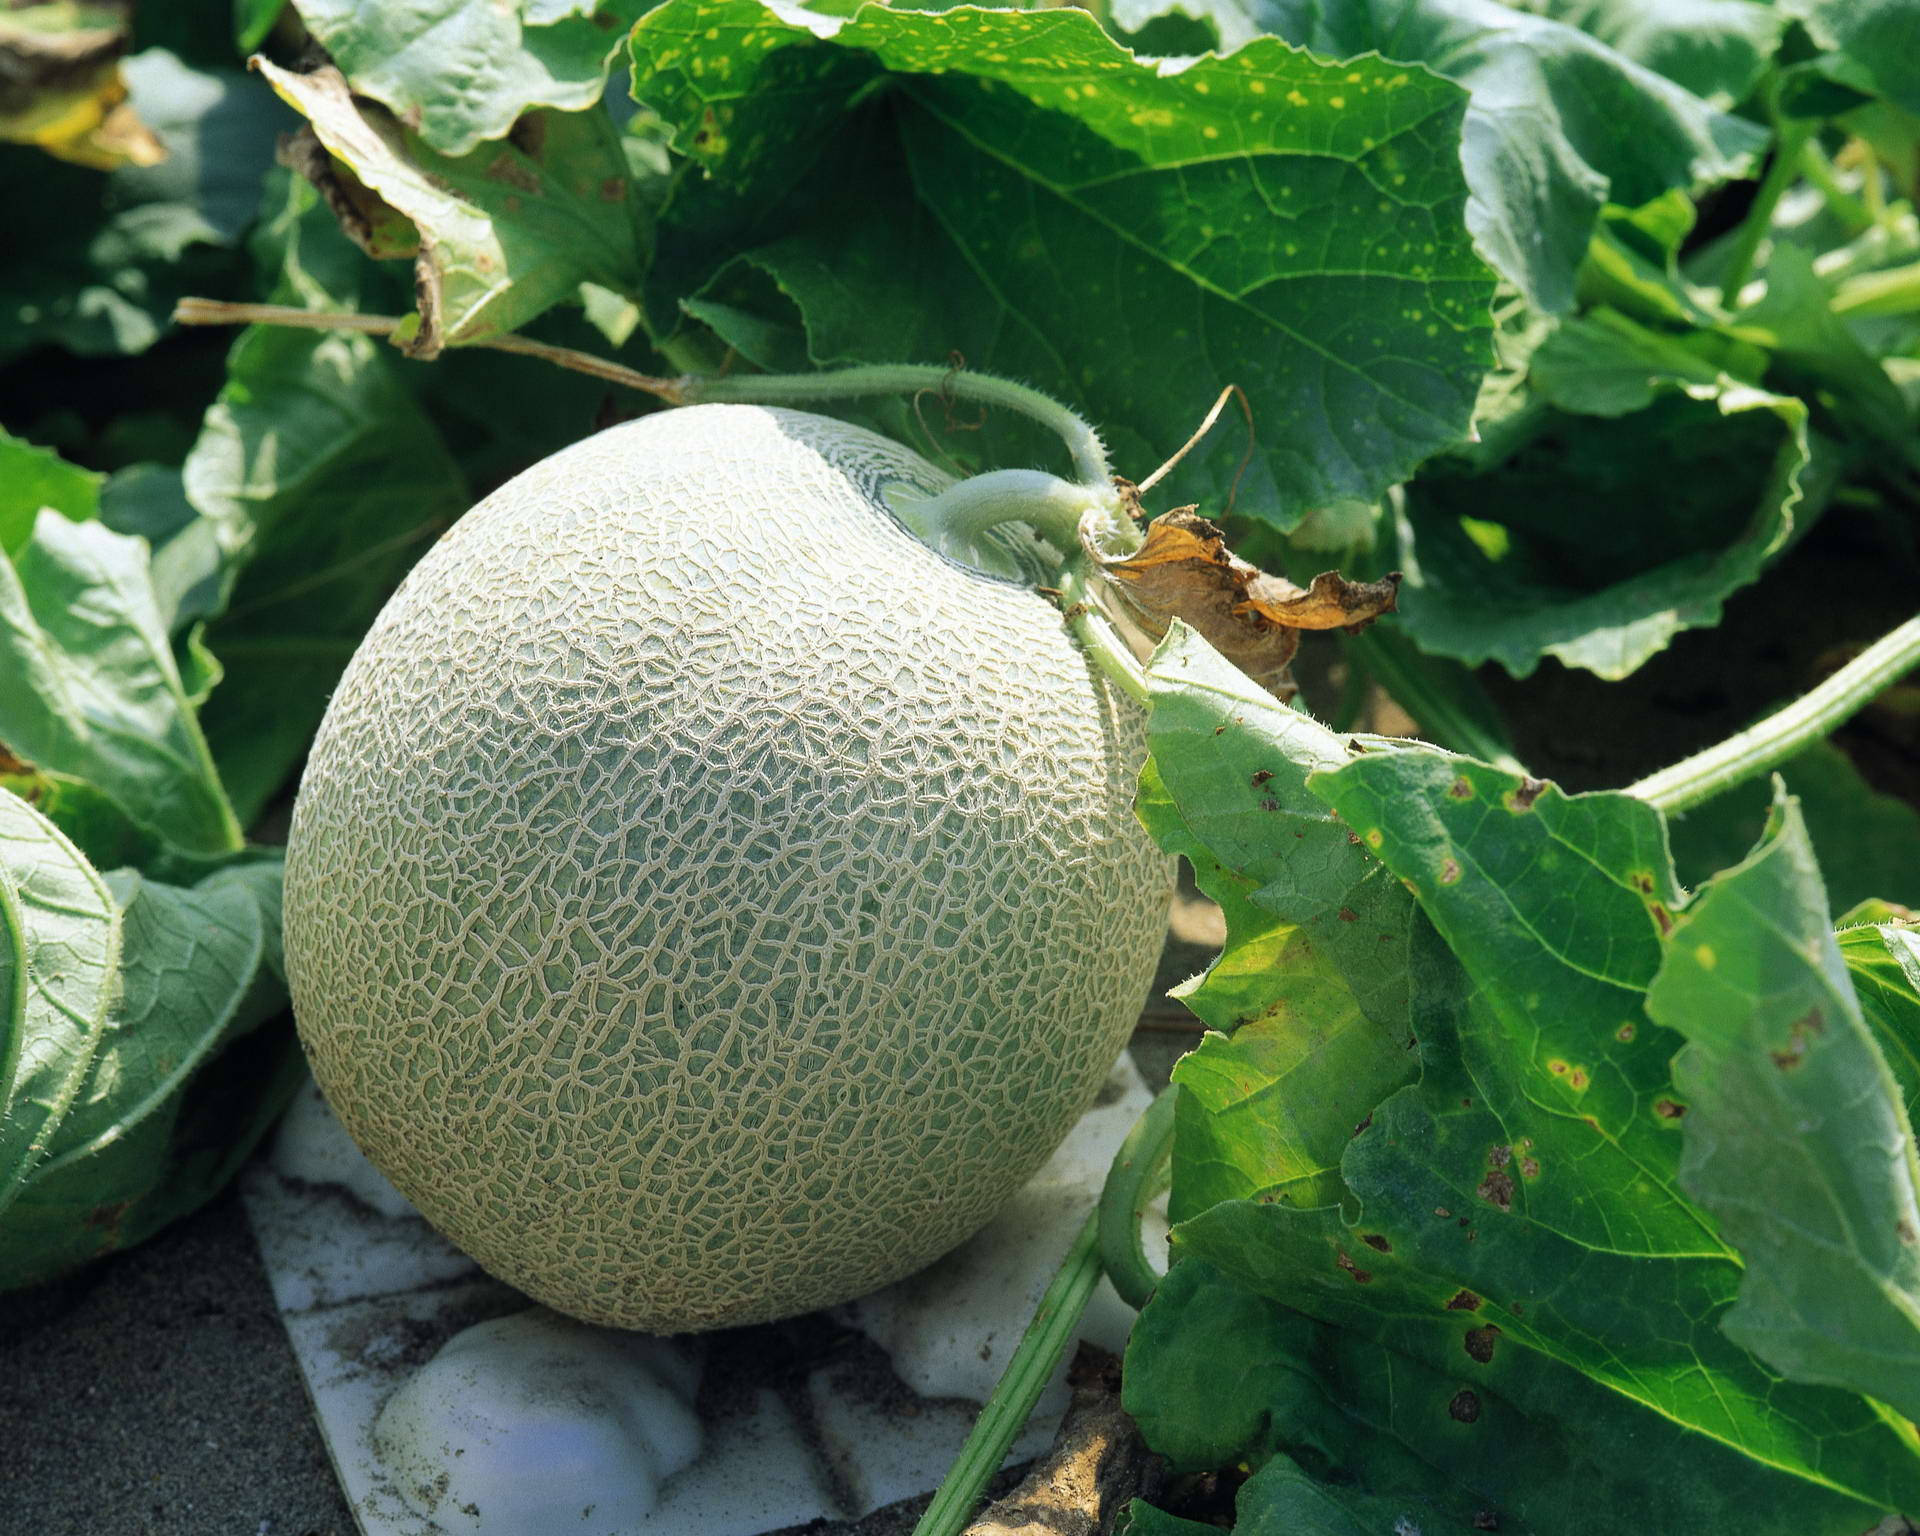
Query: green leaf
(1717, 49)
(1559, 124)
(1127, 239)
(505, 57)
(190, 555)
(1546, 1126)
(1606, 364)
(1868, 843)
(1816, 353)
(32, 478)
(1796, 1138)
(1312, 980)
(1883, 962)
(104, 834)
(1878, 40)
(184, 1081)
(504, 232)
(89, 686)
(1699, 493)
(335, 483)
(1349, 1429)
(1633, 268)
(1481, 1244)
(59, 947)
(96, 262)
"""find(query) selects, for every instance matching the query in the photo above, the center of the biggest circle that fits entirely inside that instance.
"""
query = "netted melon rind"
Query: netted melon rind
(703, 901)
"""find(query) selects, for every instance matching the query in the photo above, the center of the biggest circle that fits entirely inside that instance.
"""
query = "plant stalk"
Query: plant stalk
(964, 511)
(1790, 137)
(1028, 1371)
(1131, 1184)
(1083, 443)
(1778, 737)
(1854, 215)
(1099, 639)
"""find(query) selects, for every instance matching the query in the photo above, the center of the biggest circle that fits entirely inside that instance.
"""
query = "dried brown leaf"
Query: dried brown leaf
(1185, 571)
(367, 218)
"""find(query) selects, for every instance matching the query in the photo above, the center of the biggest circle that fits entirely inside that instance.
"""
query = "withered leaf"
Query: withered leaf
(497, 236)
(61, 87)
(1185, 571)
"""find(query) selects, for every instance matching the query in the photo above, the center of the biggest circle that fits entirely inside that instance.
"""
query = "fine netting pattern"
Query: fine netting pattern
(703, 901)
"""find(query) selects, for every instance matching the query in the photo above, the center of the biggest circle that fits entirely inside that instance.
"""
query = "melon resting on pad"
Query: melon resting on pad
(704, 901)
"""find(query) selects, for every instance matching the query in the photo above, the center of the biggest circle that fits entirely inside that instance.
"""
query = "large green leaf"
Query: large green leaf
(184, 1080)
(1555, 903)
(1815, 352)
(1698, 493)
(1349, 1429)
(1717, 49)
(1796, 1137)
(192, 555)
(1130, 238)
(95, 262)
(1479, 1244)
(1312, 980)
(32, 478)
(90, 688)
(1878, 42)
(506, 56)
(1559, 123)
(500, 234)
(319, 452)
(59, 951)
(1546, 1126)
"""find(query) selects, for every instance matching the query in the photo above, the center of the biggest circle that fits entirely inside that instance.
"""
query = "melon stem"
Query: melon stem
(1097, 636)
(959, 515)
(1083, 444)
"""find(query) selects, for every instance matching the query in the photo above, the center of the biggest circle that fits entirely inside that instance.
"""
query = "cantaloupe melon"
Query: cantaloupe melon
(704, 901)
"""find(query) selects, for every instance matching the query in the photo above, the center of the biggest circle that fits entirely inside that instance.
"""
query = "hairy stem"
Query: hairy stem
(1778, 737)
(1083, 443)
(1131, 1184)
(1099, 639)
(1028, 1370)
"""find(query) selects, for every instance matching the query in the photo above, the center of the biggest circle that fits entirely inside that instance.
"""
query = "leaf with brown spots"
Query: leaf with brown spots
(1623, 1286)
(1185, 571)
(1797, 1137)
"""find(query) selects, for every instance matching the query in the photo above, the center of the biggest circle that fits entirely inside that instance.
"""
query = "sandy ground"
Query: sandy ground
(154, 1395)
